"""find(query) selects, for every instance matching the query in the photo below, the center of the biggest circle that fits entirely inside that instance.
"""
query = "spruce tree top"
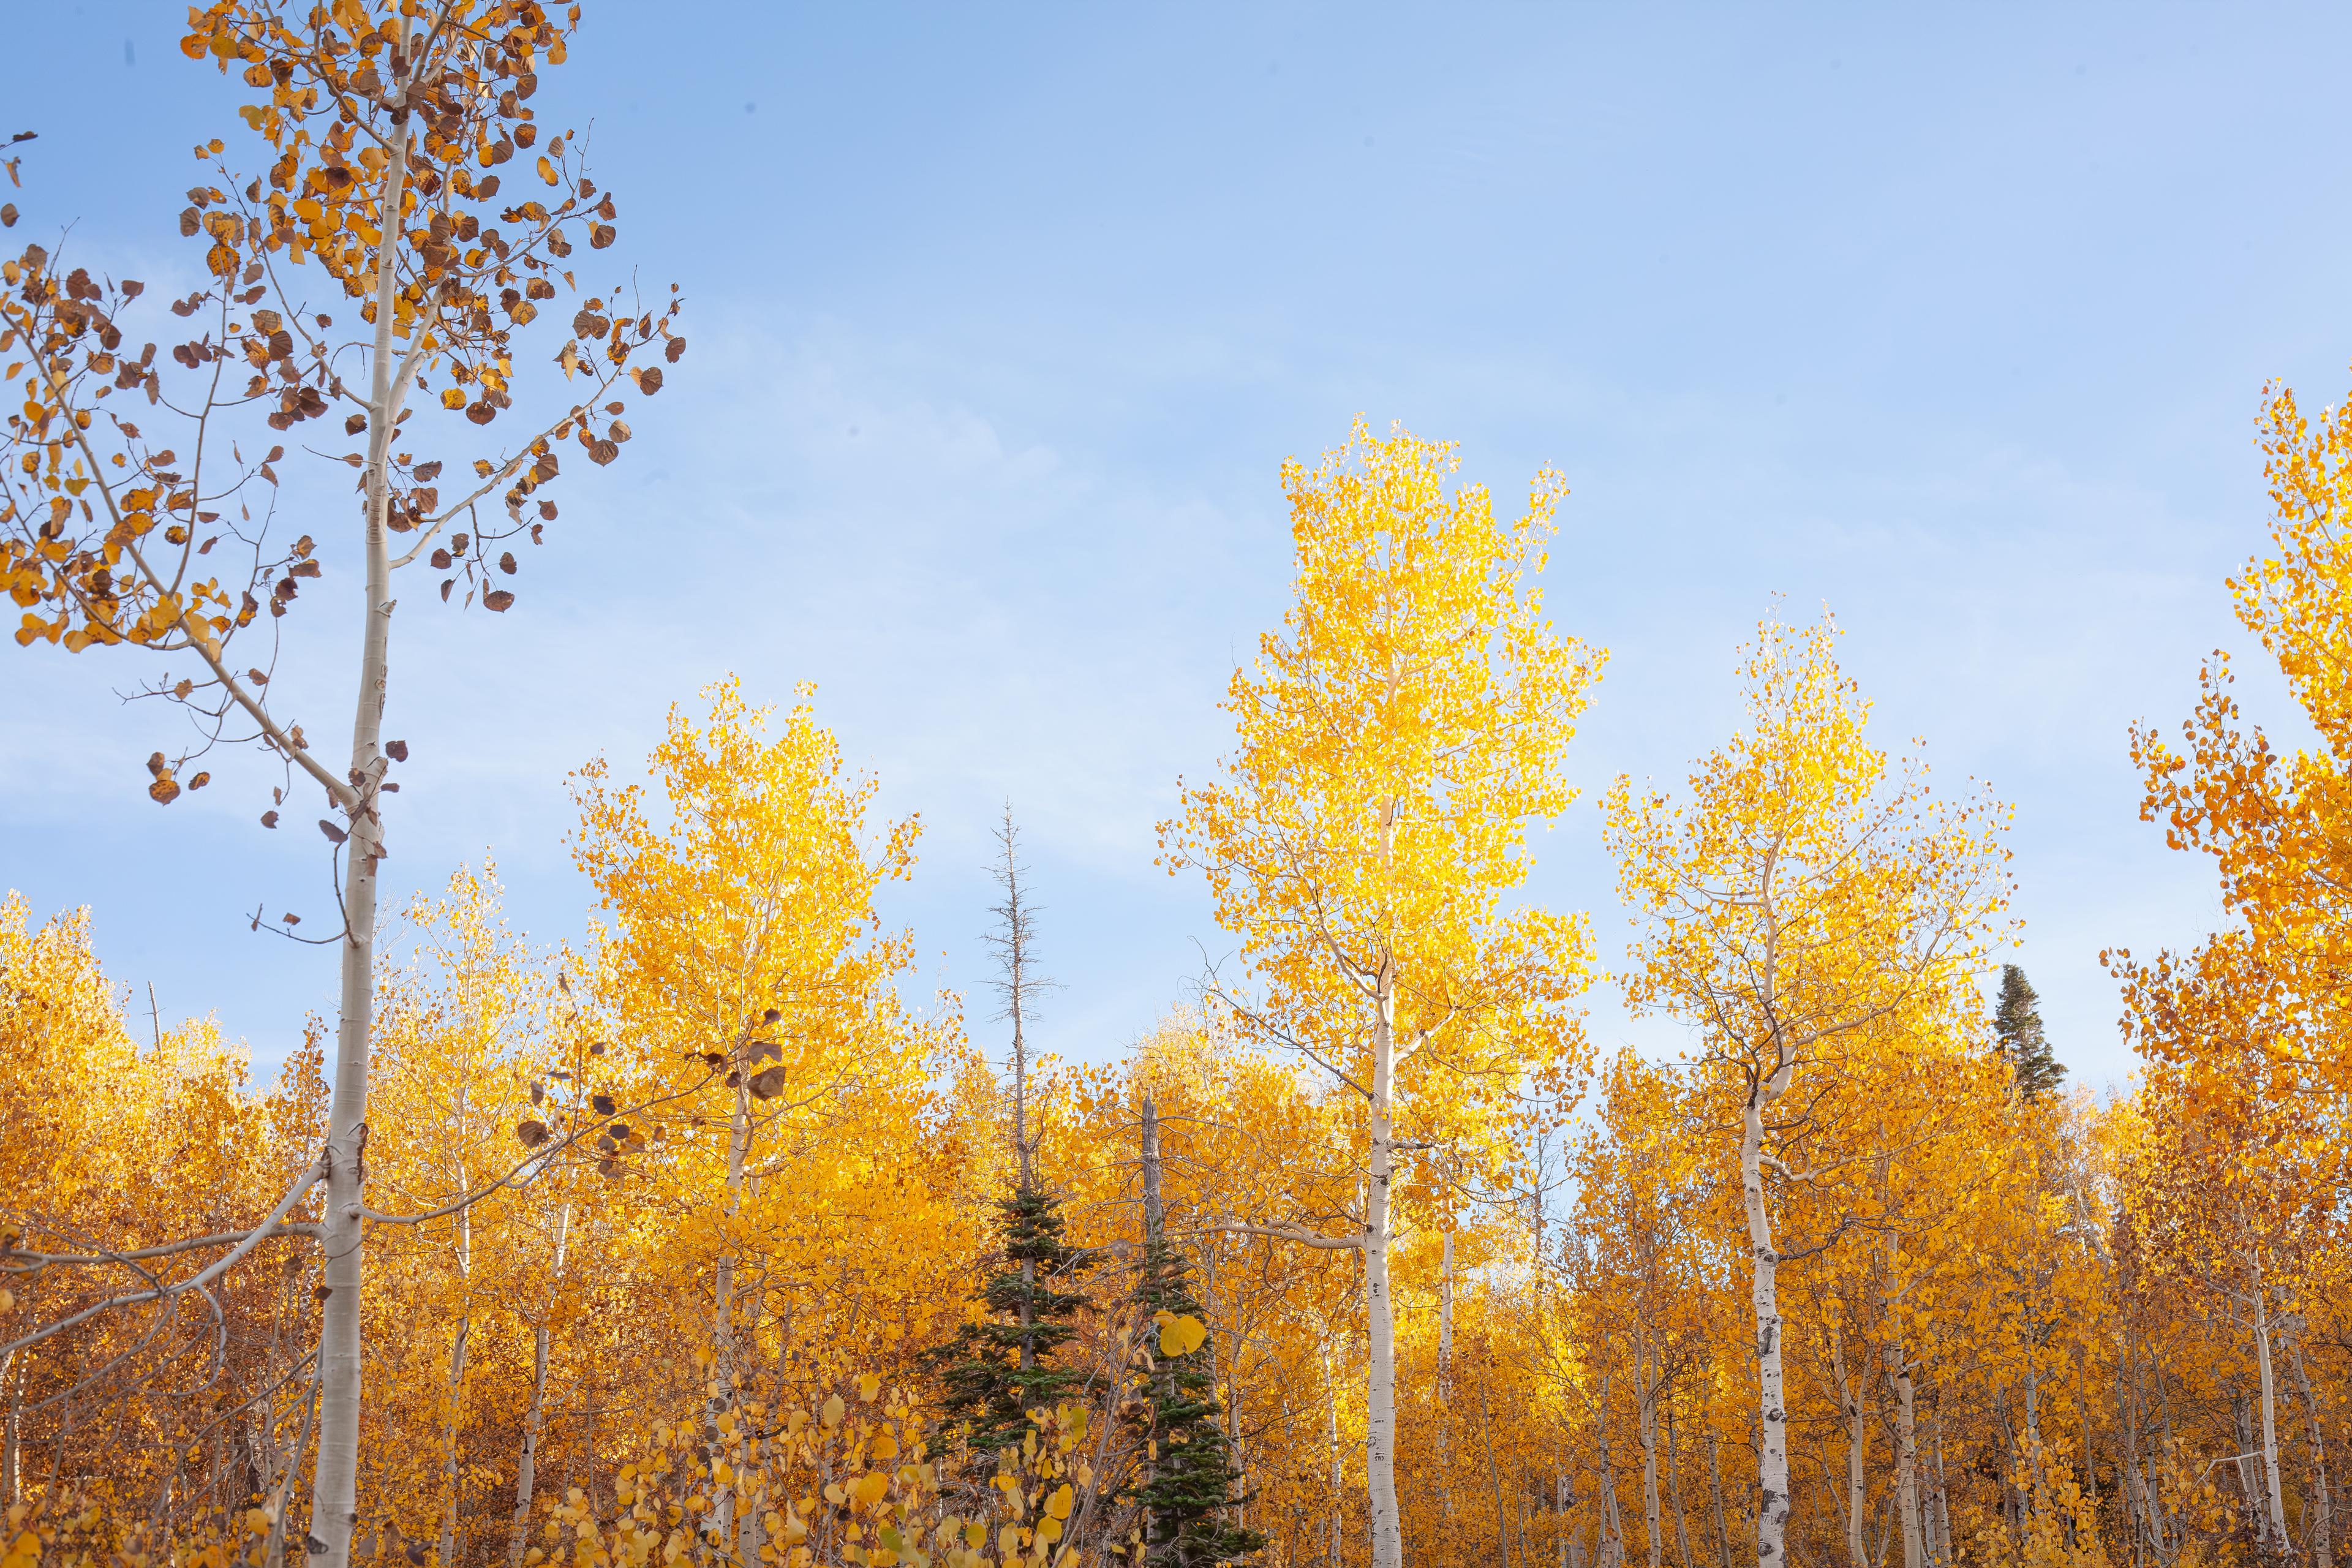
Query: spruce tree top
(2033, 1070)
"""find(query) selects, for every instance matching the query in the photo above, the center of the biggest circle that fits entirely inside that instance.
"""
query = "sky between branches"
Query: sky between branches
(1001, 322)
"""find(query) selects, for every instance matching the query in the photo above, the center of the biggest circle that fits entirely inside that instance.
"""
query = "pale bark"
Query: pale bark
(451, 1426)
(334, 1493)
(1648, 1412)
(1857, 1439)
(1943, 1509)
(1612, 1550)
(1906, 1454)
(1445, 1381)
(1675, 1492)
(1493, 1475)
(12, 1480)
(2322, 1515)
(534, 1419)
(1772, 1445)
(1380, 1426)
(1339, 1477)
(2276, 1517)
(1714, 1489)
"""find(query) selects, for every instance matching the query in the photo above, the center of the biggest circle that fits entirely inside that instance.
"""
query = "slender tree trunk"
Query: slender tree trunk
(1612, 1550)
(12, 1442)
(1714, 1490)
(1773, 1415)
(2321, 1517)
(1339, 1477)
(1380, 1426)
(334, 1493)
(1906, 1456)
(273, 1549)
(1857, 1439)
(2276, 1516)
(534, 1420)
(1648, 1415)
(452, 1428)
(1675, 1492)
(2128, 1418)
(1494, 1475)
(1943, 1494)
(1445, 1381)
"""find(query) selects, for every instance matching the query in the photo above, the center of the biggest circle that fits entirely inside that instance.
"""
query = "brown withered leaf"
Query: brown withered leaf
(769, 1083)
(530, 1133)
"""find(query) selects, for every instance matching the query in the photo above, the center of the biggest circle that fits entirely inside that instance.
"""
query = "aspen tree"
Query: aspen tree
(379, 123)
(1393, 741)
(1803, 895)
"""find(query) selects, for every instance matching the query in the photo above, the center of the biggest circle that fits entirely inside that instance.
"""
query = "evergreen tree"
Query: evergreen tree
(994, 1371)
(2034, 1071)
(1189, 1480)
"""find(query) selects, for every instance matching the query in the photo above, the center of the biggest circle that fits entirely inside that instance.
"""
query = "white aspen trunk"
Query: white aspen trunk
(1773, 1415)
(335, 1490)
(11, 1441)
(1380, 1425)
(1675, 1492)
(454, 1422)
(739, 1149)
(1339, 1477)
(451, 1428)
(1612, 1549)
(1445, 1381)
(1856, 1441)
(1649, 1430)
(2321, 1517)
(2276, 1518)
(1943, 1512)
(1493, 1475)
(534, 1418)
(1714, 1492)
(2090, 1448)
(2127, 1419)
(1907, 1455)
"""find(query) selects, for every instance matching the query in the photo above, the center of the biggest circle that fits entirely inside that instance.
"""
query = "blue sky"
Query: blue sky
(1002, 318)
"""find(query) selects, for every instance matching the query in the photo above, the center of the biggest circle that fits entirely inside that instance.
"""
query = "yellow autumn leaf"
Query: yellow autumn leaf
(546, 171)
(833, 1411)
(1181, 1335)
(1058, 1505)
(867, 1386)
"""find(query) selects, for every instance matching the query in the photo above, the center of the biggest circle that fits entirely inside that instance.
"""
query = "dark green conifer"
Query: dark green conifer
(1188, 1483)
(2033, 1070)
(994, 1371)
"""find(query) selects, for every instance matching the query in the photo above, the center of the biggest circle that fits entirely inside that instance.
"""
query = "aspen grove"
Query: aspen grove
(707, 1234)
